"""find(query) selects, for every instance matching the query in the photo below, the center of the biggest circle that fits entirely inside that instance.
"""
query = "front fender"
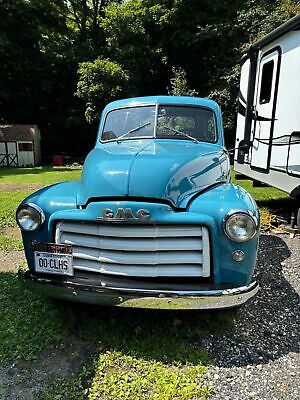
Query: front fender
(224, 198)
(217, 203)
(58, 197)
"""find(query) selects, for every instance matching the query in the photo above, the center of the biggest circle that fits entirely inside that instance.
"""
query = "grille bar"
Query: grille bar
(138, 250)
(144, 270)
(132, 244)
(141, 257)
(123, 231)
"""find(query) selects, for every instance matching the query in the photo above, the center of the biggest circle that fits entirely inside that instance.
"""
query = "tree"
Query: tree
(179, 85)
(121, 48)
(100, 82)
(20, 62)
(39, 62)
(131, 40)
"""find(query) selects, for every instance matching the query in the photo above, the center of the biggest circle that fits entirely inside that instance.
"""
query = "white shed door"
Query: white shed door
(3, 155)
(266, 93)
(26, 155)
(11, 158)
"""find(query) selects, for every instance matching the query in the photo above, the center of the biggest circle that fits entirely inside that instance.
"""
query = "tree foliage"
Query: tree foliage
(179, 85)
(62, 60)
(100, 82)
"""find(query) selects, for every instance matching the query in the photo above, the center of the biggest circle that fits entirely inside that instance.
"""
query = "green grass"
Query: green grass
(39, 175)
(9, 202)
(120, 376)
(28, 323)
(141, 354)
(264, 196)
(75, 388)
(114, 375)
(160, 347)
(10, 243)
(167, 336)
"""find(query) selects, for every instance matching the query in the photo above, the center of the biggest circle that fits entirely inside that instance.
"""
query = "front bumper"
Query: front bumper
(141, 298)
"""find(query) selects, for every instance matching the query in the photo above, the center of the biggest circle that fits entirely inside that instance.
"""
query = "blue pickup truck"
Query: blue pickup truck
(154, 221)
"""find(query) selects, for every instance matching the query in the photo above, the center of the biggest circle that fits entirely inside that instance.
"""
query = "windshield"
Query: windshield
(173, 122)
(128, 123)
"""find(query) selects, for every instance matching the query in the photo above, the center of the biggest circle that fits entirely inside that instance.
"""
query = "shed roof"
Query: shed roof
(17, 132)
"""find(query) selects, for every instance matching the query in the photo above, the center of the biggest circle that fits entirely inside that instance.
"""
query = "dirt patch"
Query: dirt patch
(11, 260)
(11, 232)
(28, 380)
(17, 187)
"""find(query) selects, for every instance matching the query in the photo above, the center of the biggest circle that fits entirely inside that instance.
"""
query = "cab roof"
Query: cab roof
(176, 100)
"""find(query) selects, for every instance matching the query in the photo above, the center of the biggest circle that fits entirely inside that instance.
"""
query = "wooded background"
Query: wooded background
(61, 61)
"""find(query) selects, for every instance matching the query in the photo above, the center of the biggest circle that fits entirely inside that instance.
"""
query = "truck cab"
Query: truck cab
(154, 221)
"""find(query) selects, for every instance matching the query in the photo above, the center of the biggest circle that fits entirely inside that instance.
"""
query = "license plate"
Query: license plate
(53, 259)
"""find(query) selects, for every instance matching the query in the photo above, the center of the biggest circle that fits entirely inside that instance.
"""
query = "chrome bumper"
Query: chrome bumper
(142, 298)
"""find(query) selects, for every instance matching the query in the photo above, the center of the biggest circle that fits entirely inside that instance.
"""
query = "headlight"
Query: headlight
(30, 217)
(240, 226)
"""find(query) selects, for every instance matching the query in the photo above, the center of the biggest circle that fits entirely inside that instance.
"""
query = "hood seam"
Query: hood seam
(130, 167)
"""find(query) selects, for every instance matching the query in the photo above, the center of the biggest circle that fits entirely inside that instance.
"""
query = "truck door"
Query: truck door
(264, 109)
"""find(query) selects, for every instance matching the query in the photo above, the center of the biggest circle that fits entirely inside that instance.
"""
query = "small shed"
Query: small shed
(20, 145)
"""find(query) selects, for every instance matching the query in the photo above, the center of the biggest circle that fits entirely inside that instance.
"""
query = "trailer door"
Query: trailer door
(265, 108)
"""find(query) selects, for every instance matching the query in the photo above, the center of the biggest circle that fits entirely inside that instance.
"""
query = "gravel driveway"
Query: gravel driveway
(260, 358)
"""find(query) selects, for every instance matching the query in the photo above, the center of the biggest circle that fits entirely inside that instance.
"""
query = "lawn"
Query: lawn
(20, 179)
(264, 196)
(39, 175)
(135, 354)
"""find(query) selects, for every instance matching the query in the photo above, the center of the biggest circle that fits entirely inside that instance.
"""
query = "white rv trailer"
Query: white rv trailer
(268, 123)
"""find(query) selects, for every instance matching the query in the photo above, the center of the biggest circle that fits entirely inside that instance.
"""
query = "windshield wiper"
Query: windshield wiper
(181, 133)
(137, 128)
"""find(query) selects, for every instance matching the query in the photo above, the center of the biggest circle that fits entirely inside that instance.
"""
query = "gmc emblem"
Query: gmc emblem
(125, 215)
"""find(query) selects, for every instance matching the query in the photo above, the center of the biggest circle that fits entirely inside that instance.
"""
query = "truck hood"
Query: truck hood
(172, 170)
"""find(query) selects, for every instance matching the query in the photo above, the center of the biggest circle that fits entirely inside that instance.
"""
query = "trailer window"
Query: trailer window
(266, 82)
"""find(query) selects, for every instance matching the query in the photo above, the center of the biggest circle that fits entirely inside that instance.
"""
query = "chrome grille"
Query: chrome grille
(138, 250)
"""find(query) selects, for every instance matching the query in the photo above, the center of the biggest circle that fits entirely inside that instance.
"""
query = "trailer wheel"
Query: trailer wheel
(298, 219)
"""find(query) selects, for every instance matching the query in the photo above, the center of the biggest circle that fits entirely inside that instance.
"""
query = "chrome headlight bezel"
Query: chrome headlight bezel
(245, 214)
(37, 217)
